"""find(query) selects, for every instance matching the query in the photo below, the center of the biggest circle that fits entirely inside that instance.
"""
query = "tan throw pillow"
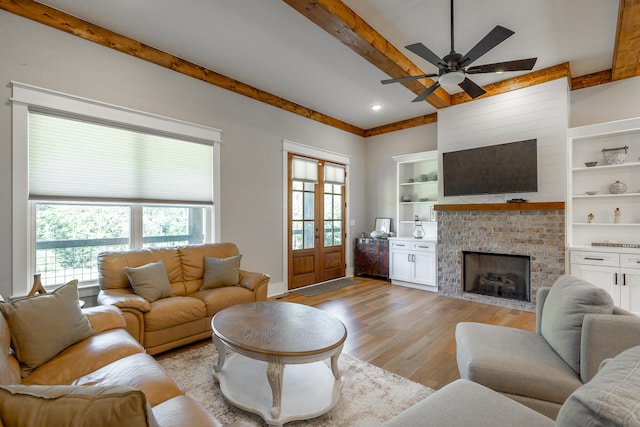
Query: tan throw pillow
(150, 281)
(44, 325)
(219, 272)
(66, 405)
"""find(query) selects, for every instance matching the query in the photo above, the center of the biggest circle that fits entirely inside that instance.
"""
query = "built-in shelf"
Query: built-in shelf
(608, 224)
(417, 203)
(587, 196)
(529, 206)
(422, 170)
(606, 167)
(419, 182)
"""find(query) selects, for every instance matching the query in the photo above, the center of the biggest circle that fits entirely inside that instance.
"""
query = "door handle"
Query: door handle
(616, 279)
(624, 279)
(413, 258)
(409, 257)
(594, 259)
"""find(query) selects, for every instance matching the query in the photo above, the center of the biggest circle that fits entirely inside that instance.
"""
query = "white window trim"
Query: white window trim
(25, 97)
(322, 154)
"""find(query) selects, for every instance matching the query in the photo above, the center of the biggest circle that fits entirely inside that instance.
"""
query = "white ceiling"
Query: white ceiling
(269, 45)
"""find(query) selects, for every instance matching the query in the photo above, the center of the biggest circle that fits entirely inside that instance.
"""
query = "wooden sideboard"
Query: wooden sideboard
(372, 257)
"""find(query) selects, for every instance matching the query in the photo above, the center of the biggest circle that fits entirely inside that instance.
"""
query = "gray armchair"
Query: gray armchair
(609, 399)
(577, 327)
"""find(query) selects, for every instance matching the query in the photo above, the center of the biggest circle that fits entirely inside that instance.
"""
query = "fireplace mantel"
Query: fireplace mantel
(529, 206)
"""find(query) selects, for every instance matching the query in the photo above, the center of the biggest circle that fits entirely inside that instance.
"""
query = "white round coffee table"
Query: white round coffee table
(266, 336)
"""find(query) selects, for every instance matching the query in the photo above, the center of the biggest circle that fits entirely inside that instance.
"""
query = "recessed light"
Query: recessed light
(376, 107)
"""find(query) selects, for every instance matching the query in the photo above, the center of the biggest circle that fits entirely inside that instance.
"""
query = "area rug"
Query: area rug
(370, 395)
(323, 287)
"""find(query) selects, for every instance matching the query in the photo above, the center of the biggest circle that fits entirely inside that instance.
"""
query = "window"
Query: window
(70, 236)
(91, 177)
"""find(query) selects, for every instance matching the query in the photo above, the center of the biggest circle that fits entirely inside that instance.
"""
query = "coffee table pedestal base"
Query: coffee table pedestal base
(308, 390)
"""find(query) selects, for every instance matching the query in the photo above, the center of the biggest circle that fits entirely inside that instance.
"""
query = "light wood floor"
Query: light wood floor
(407, 331)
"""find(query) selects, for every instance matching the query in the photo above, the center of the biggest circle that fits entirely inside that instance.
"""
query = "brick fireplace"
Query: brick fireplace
(534, 230)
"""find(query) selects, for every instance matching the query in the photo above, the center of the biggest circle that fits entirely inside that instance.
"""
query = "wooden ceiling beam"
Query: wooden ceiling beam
(88, 31)
(337, 19)
(626, 53)
(518, 82)
(593, 79)
(401, 125)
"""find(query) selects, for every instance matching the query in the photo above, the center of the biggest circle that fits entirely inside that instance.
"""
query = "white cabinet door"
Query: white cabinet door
(400, 265)
(630, 299)
(425, 268)
(608, 278)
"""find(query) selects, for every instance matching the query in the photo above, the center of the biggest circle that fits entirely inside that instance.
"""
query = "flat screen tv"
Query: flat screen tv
(496, 169)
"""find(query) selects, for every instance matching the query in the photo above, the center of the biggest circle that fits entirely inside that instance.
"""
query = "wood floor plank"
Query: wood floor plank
(407, 331)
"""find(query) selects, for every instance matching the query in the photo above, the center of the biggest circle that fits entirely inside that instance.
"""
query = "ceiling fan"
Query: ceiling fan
(453, 68)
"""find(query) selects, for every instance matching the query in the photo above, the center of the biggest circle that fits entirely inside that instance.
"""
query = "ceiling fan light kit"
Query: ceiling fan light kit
(454, 67)
(451, 79)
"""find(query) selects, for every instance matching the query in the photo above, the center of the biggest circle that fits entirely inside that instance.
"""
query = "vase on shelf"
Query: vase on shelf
(617, 188)
(418, 231)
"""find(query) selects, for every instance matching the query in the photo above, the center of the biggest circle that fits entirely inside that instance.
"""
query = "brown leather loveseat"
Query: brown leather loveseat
(185, 315)
(105, 379)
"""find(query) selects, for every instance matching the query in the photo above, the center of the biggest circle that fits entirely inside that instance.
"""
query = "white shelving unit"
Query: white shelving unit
(615, 267)
(413, 262)
(422, 194)
(585, 144)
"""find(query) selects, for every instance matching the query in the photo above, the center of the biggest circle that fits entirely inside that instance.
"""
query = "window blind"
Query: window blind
(75, 159)
(305, 170)
(333, 174)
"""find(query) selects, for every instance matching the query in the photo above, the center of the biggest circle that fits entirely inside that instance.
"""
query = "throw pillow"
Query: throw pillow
(67, 405)
(42, 326)
(150, 281)
(219, 272)
(610, 398)
(569, 300)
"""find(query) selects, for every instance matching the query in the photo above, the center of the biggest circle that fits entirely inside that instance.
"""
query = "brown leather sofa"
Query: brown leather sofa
(186, 316)
(109, 359)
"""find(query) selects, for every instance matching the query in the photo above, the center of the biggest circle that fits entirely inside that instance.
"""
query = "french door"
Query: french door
(316, 223)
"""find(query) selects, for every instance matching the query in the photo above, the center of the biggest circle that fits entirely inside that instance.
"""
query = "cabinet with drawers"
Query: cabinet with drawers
(412, 263)
(372, 257)
(616, 272)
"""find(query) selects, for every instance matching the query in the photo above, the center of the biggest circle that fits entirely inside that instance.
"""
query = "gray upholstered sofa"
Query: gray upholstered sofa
(577, 328)
(610, 399)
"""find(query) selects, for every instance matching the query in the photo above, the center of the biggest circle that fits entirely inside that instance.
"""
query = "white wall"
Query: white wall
(604, 103)
(251, 196)
(381, 186)
(253, 132)
(539, 112)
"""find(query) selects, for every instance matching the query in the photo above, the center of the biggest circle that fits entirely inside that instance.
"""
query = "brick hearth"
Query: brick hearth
(536, 230)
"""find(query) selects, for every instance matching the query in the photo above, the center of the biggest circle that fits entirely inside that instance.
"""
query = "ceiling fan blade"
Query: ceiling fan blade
(424, 95)
(405, 79)
(471, 88)
(518, 65)
(491, 40)
(424, 52)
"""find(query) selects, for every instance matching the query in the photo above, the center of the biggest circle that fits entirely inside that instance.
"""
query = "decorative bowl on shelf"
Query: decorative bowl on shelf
(423, 199)
(376, 234)
(410, 180)
(591, 193)
(405, 198)
(590, 164)
(423, 178)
